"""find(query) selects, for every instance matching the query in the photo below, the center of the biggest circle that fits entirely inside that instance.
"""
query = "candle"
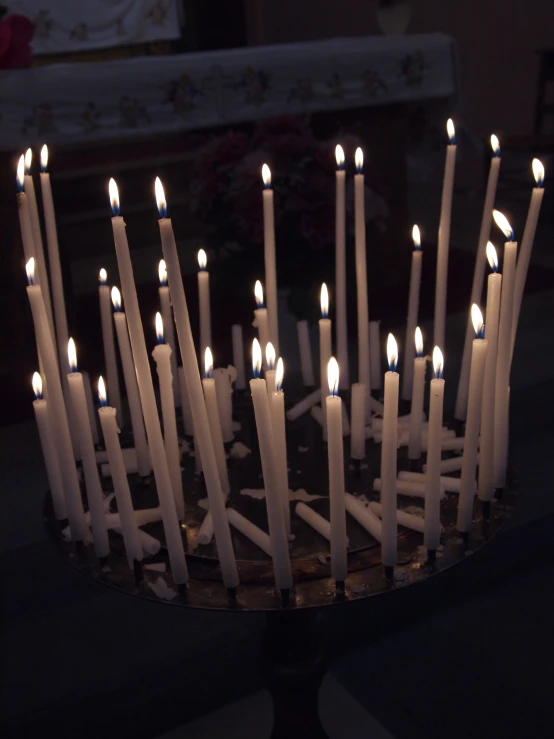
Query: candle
(434, 450)
(95, 496)
(277, 533)
(188, 425)
(418, 392)
(313, 519)
(204, 302)
(413, 310)
(504, 352)
(144, 464)
(224, 392)
(125, 510)
(333, 405)
(238, 355)
(90, 407)
(304, 405)
(57, 409)
(147, 397)
(305, 354)
(261, 318)
(162, 357)
(277, 411)
(167, 316)
(388, 457)
(375, 354)
(53, 471)
(270, 358)
(527, 244)
(444, 237)
(478, 277)
(361, 279)
(324, 342)
(108, 342)
(23, 211)
(340, 267)
(203, 438)
(210, 396)
(357, 415)
(250, 530)
(409, 520)
(269, 258)
(364, 516)
(473, 422)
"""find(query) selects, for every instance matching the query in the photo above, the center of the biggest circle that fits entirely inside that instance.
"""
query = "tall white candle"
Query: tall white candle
(24, 213)
(413, 312)
(335, 451)
(169, 330)
(478, 277)
(144, 464)
(238, 355)
(250, 530)
(444, 237)
(271, 359)
(269, 258)
(277, 411)
(388, 457)
(224, 392)
(277, 532)
(361, 279)
(51, 461)
(357, 418)
(188, 425)
(204, 303)
(210, 395)
(148, 399)
(162, 357)
(341, 330)
(473, 422)
(108, 342)
(92, 478)
(90, 408)
(375, 354)
(203, 438)
(418, 393)
(434, 451)
(261, 319)
(325, 350)
(305, 354)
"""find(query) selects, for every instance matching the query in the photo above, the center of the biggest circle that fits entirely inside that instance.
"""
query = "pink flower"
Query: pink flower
(16, 33)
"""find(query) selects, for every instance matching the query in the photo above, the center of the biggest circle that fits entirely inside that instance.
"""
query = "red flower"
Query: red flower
(16, 33)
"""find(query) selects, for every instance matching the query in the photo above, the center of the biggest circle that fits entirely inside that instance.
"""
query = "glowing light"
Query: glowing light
(324, 301)
(256, 358)
(202, 259)
(266, 176)
(162, 273)
(208, 362)
(503, 224)
(20, 174)
(339, 156)
(259, 294)
(392, 353)
(279, 374)
(114, 196)
(161, 202)
(492, 256)
(72, 355)
(438, 363)
(37, 385)
(102, 394)
(44, 158)
(159, 328)
(418, 342)
(538, 172)
(333, 376)
(102, 276)
(28, 160)
(451, 131)
(416, 236)
(270, 355)
(116, 299)
(495, 145)
(359, 160)
(477, 320)
(30, 269)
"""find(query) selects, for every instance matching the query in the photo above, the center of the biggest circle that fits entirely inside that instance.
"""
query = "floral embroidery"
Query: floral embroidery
(302, 91)
(335, 86)
(89, 118)
(373, 84)
(255, 83)
(182, 93)
(80, 32)
(158, 13)
(412, 68)
(43, 24)
(132, 112)
(41, 118)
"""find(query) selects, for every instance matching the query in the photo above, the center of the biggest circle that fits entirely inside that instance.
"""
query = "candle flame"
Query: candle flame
(114, 196)
(102, 276)
(270, 355)
(492, 256)
(28, 160)
(44, 158)
(30, 269)
(538, 171)
(161, 202)
(495, 145)
(20, 174)
(162, 273)
(438, 362)
(202, 259)
(416, 236)
(477, 320)
(266, 176)
(418, 342)
(279, 374)
(339, 156)
(72, 355)
(359, 160)
(392, 353)
(208, 362)
(37, 385)
(503, 224)
(102, 394)
(324, 301)
(259, 294)
(159, 328)
(451, 131)
(256, 358)
(116, 298)
(333, 376)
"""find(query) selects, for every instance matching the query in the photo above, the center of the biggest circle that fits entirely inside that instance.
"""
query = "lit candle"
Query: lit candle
(169, 331)
(238, 355)
(340, 267)
(49, 451)
(527, 244)
(357, 415)
(434, 451)
(335, 451)
(269, 258)
(473, 422)
(413, 310)
(148, 399)
(444, 236)
(418, 392)
(204, 302)
(224, 392)
(108, 342)
(212, 409)
(375, 354)
(23, 210)
(203, 438)
(162, 357)
(95, 496)
(361, 279)
(57, 409)
(270, 359)
(388, 457)
(261, 318)
(478, 277)
(325, 350)
(277, 411)
(504, 352)
(305, 354)
(277, 532)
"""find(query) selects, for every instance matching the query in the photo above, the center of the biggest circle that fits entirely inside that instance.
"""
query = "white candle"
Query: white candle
(53, 471)
(375, 353)
(250, 530)
(444, 237)
(148, 399)
(212, 409)
(494, 286)
(95, 496)
(335, 451)
(144, 464)
(364, 516)
(409, 520)
(434, 450)
(418, 393)
(125, 510)
(325, 350)
(341, 329)
(361, 280)
(473, 422)
(388, 457)
(108, 342)
(304, 405)
(305, 353)
(24, 214)
(478, 277)
(313, 519)
(450, 484)
(205, 533)
(277, 532)
(413, 312)
(169, 331)
(269, 258)
(261, 319)
(270, 358)
(357, 415)
(238, 355)
(224, 392)
(188, 425)
(277, 411)
(203, 438)
(162, 357)
(90, 407)
(204, 303)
